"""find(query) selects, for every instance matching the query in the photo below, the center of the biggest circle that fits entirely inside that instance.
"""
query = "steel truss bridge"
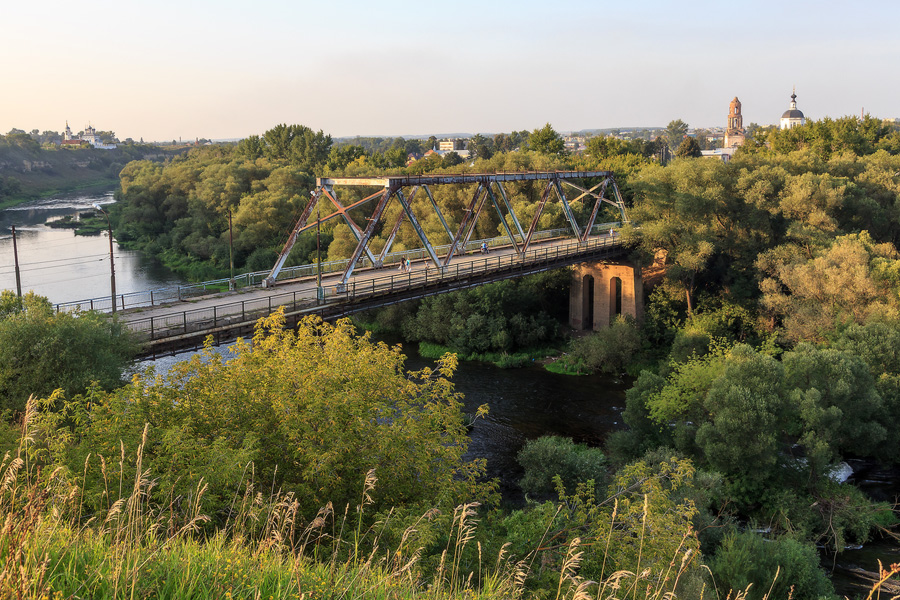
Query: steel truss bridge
(485, 184)
(441, 269)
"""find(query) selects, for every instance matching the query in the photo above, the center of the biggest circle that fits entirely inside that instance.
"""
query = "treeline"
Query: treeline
(180, 211)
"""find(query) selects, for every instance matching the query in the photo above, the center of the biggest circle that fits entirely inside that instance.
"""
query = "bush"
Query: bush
(747, 559)
(549, 456)
(41, 351)
(608, 350)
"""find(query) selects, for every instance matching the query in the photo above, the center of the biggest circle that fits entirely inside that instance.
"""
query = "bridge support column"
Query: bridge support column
(601, 291)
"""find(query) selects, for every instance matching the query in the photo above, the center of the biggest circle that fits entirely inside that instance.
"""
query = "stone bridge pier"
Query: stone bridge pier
(601, 291)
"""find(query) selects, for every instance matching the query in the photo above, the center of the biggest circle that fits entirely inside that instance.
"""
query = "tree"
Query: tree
(685, 209)
(316, 410)
(480, 147)
(451, 159)
(688, 148)
(41, 351)
(546, 141)
(551, 456)
(675, 132)
(853, 281)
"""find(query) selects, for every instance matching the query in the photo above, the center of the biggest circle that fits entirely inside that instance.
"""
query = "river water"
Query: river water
(62, 266)
(524, 403)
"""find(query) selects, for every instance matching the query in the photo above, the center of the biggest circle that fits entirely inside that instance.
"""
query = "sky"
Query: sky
(224, 69)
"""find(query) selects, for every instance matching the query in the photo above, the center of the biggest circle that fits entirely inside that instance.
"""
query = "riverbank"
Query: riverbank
(92, 187)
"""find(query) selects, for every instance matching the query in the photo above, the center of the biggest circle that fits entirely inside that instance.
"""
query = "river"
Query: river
(62, 266)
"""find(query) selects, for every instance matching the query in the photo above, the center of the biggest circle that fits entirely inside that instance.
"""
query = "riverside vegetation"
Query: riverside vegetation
(766, 357)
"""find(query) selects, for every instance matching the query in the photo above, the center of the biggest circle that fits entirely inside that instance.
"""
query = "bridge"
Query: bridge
(367, 280)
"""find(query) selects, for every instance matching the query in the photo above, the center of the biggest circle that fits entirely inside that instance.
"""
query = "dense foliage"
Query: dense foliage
(41, 351)
(180, 211)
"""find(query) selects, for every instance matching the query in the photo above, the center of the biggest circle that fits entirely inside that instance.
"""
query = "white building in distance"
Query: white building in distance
(792, 117)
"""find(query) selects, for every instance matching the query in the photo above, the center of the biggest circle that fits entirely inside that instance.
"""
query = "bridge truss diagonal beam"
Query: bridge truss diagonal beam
(392, 185)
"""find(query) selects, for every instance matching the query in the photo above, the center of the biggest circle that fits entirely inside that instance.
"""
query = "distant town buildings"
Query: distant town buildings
(89, 135)
(451, 145)
(792, 117)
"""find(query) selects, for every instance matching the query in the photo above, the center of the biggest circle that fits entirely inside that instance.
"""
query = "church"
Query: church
(792, 117)
(89, 135)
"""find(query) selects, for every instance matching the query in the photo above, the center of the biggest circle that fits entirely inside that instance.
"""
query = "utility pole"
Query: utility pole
(16, 260)
(319, 294)
(112, 264)
(230, 251)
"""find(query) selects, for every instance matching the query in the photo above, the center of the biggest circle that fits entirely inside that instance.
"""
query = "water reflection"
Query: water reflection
(62, 266)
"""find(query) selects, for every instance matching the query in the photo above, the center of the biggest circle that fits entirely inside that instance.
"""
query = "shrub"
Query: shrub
(788, 567)
(608, 350)
(549, 456)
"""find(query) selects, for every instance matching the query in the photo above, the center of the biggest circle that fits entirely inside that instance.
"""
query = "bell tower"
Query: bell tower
(734, 133)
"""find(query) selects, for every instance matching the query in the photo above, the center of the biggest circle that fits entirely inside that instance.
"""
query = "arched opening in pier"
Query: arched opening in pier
(615, 298)
(587, 302)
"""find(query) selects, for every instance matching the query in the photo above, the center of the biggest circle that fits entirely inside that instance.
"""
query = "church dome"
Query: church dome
(792, 116)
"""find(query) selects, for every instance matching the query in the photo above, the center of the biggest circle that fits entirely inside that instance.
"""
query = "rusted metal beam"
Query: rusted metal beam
(463, 224)
(407, 207)
(567, 210)
(510, 210)
(590, 224)
(398, 181)
(363, 245)
(269, 281)
(619, 201)
(537, 215)
(390, 241)
(509, 233)
(438, 212)
(474, 220)
(354, 228)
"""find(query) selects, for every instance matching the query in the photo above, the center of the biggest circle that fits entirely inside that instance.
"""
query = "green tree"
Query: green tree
(675, 132)
(546, 141)
(315, 409)
(548, 457)
(780, 568)
(688, 148)
(41, 350)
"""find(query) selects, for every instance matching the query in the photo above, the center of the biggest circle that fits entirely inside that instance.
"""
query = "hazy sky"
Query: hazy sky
(167, 69)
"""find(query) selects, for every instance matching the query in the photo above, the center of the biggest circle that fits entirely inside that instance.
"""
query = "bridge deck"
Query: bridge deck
(185, 324)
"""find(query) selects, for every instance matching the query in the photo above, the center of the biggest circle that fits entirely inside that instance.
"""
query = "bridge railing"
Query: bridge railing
(168, 295)
(243, 311)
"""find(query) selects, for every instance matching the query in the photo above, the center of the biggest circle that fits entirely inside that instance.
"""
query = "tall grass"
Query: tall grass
(135, 548)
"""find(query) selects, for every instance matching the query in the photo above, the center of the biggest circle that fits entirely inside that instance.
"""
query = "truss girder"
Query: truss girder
(509, 233)
(407, 208)
(509, 209)
(363, 245)
(537, 215)
(391, 186)
(292, 238)
(390, 241)
(567, 210)
(438, 212)
(354, 228)
(474, 220)
(590, 223)
(463, 226)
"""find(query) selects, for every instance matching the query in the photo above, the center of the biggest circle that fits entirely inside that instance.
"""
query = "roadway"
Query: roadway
(225, 315)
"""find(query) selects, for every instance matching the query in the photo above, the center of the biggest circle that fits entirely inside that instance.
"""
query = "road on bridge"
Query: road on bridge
(236, 311)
